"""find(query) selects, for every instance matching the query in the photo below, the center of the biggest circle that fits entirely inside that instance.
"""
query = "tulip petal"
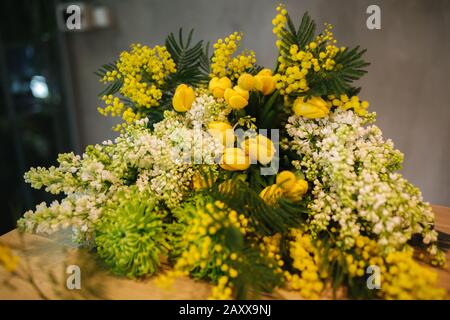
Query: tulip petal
(237, 102)
(286, 180)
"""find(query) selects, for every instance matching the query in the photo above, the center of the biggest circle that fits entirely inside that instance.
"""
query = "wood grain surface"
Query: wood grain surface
(47, 259)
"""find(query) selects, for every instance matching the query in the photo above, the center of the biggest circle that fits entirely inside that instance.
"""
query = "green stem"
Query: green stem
(268, 105)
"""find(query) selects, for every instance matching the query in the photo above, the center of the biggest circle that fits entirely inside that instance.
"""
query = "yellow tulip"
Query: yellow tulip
(222, 131)
(259, 148)
(265, 72)
(234, 159)
(297, 191)
(286, 180)
(183, 98)
(243, 93)
(246, 81)
(218, 86)
(236, 98)
(314, 107)
(264, 82)
(271, 194)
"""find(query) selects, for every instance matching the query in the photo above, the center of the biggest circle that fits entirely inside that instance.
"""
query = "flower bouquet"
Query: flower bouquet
(247, 177)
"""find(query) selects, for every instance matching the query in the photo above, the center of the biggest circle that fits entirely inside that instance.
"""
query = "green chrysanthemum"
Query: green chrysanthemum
(131, 235)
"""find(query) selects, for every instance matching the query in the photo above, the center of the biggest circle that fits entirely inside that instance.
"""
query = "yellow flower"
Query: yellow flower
(234, 159)
(259, 148)
(271, 194)
(264, 82)
(243, 93)
(233, 273)
(298, 190)
(223, 52)
(286, 180)
(236, 98)
(156, 62)
(345, 103)
(246, 81)
(361, 108)
(239, 64)
(222, 131)
(306, 276)
(7, 259)
(218, 86)
(265, 72)
(183, 98)
(279, 22)
(314, 107)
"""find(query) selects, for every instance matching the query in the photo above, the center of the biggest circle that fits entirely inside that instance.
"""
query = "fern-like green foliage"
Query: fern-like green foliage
(244, 198)
(349, 67)
(256, 275)
(349, 62)
(300, 37)
(192, 61)
(115, 85)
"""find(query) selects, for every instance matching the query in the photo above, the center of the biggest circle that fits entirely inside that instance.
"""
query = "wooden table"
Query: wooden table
(48, 258)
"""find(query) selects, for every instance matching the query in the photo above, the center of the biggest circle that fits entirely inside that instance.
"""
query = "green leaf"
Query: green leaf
(192, 61)
(306, 30)
(266, 219)
(234, 239)
(113, 86)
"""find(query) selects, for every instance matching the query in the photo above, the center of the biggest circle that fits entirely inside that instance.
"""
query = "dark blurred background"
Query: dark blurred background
(49, 93)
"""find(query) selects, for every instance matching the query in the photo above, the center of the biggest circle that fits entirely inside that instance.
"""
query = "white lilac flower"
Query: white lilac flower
(355, 186)
(162, 161)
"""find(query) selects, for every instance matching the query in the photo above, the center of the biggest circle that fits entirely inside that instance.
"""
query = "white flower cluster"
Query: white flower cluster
(163, 161)
(76, 211)
(355, 187)
(206, 108)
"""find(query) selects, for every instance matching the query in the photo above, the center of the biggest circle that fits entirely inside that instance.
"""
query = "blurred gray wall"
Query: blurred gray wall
(407, 84)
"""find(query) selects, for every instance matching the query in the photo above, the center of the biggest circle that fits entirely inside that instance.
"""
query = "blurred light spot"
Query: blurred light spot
(38, 86)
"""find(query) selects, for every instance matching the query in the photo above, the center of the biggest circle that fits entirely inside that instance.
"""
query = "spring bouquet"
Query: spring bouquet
(250, 178)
